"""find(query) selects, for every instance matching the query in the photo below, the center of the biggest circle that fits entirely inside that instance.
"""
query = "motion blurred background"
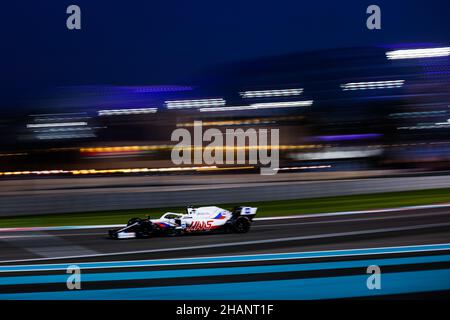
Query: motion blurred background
(104, 100)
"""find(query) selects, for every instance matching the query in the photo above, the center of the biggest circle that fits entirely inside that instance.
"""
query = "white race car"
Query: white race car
(195, 220)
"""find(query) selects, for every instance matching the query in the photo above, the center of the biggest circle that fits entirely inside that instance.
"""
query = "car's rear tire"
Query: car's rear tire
(241, 225)
(112, 234)
(173, 232)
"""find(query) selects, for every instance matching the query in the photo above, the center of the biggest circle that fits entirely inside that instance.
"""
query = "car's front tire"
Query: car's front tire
(112, 234)
(145, 229)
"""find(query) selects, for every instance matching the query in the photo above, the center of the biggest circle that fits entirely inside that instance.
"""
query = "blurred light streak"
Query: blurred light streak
(40, 119)
(61, 129)
(58, 114)
(231, 108)
(259, 147)
(303, 168)
(228, 122)
(346, 137)
(144, 170)
(182, 104)
(241, 122)
(103, 171)
(372, 85)
(170, 147)
(26, 172)
(13, 154)
(58, 124)
(115, 112)
(125, 148)
(265, 105)
(338, 154)
(418, 114)
(225, 168)
(154, 89)
(438, 125)
(418, 53)
(286, 104)
(65, 136)
(271, 93)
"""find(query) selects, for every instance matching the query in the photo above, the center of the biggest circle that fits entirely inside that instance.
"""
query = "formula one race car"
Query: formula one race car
(195, 220)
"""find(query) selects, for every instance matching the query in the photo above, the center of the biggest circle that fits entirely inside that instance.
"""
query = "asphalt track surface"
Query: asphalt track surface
(317, 257)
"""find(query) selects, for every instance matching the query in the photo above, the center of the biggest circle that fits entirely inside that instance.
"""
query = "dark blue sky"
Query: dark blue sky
(162, 41)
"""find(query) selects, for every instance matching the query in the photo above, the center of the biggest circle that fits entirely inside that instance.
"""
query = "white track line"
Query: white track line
(249, 257)
(395, 217)
(344, 213)
(302, 216)
(60, 228)
(392, 217)
(243, 243)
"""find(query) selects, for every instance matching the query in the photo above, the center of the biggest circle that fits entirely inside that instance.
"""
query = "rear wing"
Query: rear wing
(249, 212)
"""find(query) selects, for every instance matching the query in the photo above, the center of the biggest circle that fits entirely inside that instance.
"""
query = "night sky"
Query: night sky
(164, 41)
